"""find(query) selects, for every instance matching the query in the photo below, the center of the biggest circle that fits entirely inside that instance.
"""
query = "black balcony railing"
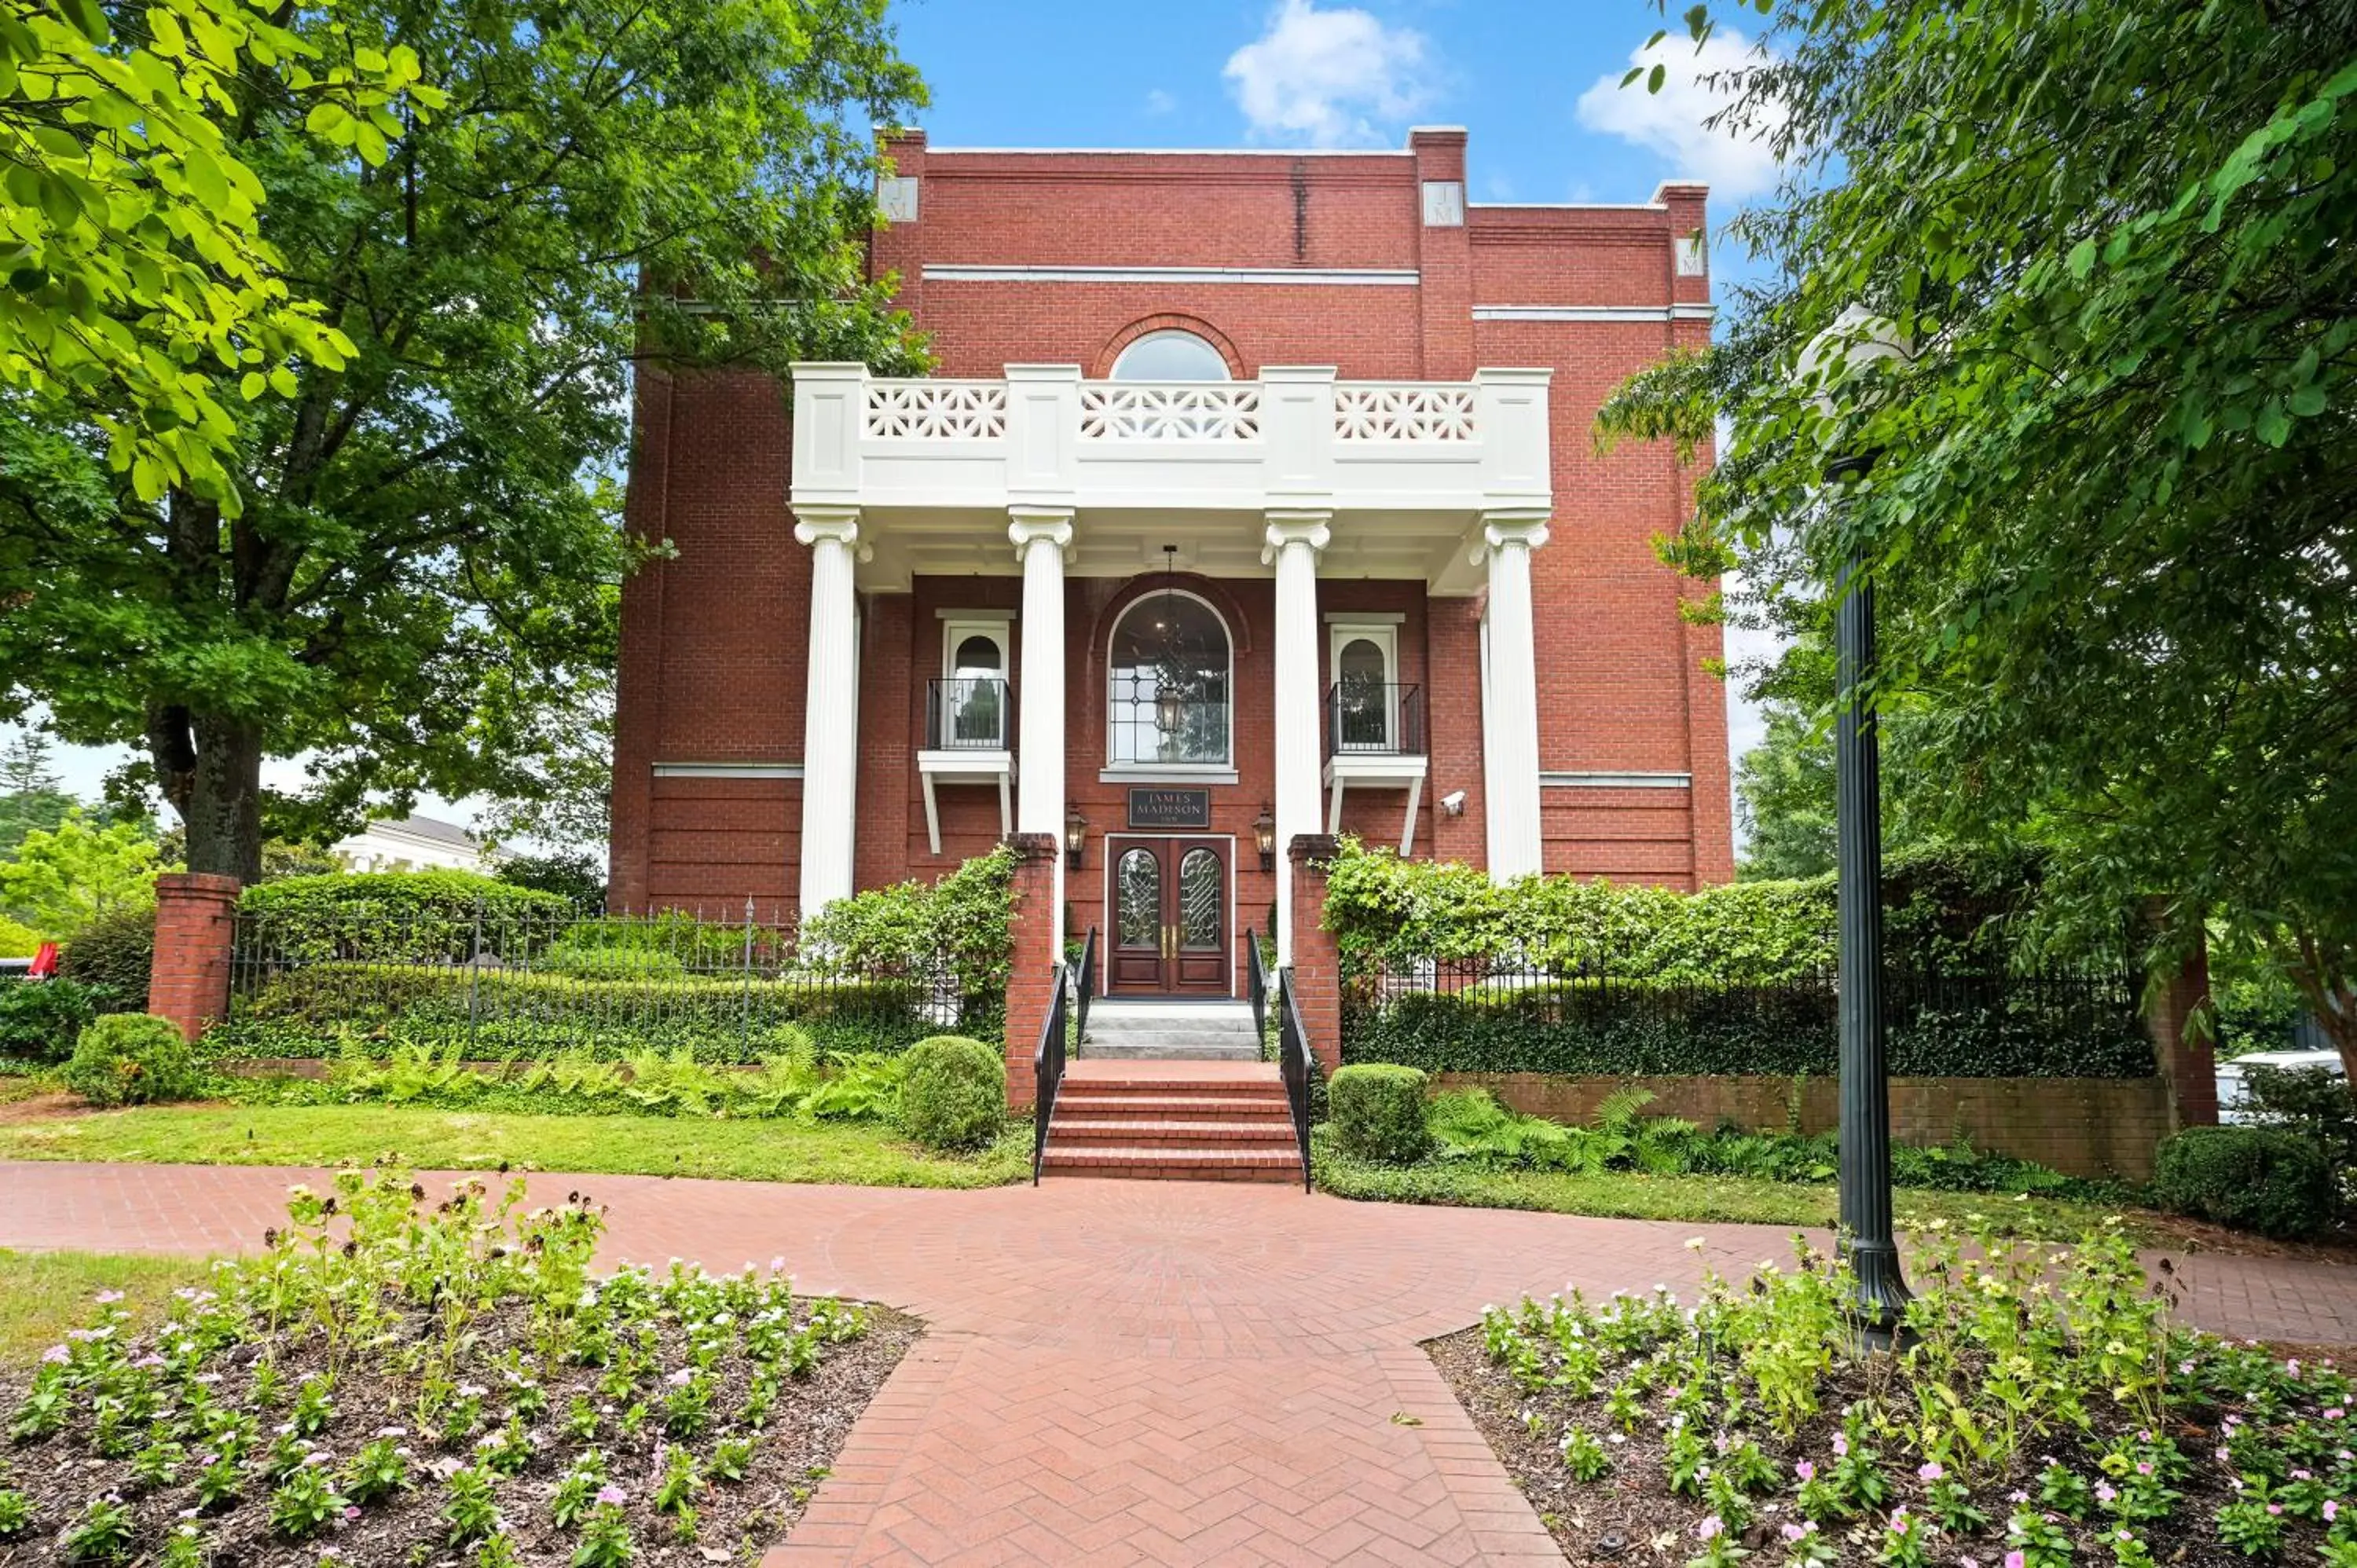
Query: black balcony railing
(969, 713)
(1374, 718)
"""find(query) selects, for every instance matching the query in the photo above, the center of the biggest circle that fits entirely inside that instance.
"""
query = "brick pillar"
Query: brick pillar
(1317, 966)
(2177, 1017)
(1037, 929)
(196, 919)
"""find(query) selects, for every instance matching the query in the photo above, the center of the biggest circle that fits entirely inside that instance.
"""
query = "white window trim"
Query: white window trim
(957, 628)
(1115, 768)
(1341, 632)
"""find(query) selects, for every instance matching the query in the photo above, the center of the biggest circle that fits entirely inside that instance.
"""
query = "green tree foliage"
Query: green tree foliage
(2110, 522)
(62, 879)
(1784, 790)
(29, 795)
(141, 294)
(426, 557)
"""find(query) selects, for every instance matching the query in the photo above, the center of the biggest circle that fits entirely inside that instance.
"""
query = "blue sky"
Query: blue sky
(1534, 81)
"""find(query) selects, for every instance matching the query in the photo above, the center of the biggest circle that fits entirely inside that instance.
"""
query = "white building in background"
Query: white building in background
(412, 843)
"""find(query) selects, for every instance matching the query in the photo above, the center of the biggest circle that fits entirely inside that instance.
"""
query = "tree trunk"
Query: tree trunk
(2325, 974)
(210, 769)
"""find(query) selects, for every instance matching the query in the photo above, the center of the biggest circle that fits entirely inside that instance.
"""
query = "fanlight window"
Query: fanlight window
(1170, 356)
(1167, 683)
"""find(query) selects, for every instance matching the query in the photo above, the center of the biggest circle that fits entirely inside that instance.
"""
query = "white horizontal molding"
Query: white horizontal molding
(1594, 312)
(1616, 780)
(728, 770)
(1168, 773)
(1381, 277)
(1366, 618)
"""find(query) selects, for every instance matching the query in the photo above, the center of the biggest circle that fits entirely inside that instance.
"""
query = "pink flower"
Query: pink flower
(1806, 1470)
(609, 1494)
(2144, 1466)
(1794, 1532)
(2332, 1510)
(55, 1355)
(109, 1297)
(2104, 1492)
(2014, 1559)
(1709, 1527)
(1931, 1471)
(2334, 1413)
(681, 1378)
(2274, 1508)
(351, 1512)
(1841, 1445)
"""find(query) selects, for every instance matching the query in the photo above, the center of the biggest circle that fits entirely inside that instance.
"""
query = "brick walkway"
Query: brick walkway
(1131, 1372)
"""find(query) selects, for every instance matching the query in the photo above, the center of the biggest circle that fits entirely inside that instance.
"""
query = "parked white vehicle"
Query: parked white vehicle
(2234, 1094)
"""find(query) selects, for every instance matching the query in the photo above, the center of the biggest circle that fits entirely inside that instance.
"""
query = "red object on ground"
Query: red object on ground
(45, 961)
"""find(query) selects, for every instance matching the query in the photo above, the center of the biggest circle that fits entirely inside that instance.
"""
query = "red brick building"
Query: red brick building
(1255, 495)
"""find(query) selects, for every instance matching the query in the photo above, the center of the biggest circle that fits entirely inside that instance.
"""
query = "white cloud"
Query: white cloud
(1329, 77)
(1159, 102)
(1670, 121)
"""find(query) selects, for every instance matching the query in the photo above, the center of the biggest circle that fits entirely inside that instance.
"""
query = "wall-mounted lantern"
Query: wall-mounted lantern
(1264, 835)
(1076, 834)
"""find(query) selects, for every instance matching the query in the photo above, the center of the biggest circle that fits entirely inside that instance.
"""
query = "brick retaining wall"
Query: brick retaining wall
(2082, 1126)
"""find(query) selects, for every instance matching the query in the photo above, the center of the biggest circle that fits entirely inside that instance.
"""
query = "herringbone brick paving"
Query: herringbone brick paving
(1126, 1371)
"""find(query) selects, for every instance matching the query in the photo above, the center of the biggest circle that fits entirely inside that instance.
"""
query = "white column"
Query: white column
(1509, 698)
(1294, 540)
(831, 708)
(1041, 535)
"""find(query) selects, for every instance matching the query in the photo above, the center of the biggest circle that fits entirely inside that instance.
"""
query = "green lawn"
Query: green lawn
(42, 1294)
(858, 1154)
(1621, 1195)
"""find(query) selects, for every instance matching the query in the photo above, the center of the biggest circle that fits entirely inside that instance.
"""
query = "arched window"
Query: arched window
(1170, 356)
(1166, 682)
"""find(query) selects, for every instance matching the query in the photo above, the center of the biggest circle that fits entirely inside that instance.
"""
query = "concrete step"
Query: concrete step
(1125, 1050)
(1150, 1105)
(1276, 1134)
(1175, 1164)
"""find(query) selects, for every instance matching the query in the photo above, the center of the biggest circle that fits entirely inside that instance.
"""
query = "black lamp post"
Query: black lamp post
(1867, 1238)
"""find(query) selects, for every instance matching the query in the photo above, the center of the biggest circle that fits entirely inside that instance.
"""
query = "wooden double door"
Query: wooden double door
(1170, 917)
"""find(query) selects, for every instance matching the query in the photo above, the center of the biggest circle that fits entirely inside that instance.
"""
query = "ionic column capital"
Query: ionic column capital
(1027, 526)
(1505, 530)
(838, 525)
(1284, 527)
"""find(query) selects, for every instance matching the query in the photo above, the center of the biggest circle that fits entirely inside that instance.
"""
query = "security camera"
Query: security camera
(1453, 802)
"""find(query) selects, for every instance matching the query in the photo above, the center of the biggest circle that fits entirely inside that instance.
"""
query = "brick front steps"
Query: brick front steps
(1178, 1121)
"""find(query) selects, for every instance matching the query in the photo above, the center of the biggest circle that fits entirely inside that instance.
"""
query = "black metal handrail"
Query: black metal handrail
(1084, 985)
(1374, 718)
(1256, 984)
(1047, 1073)
(969, 713)
(1293, 1065)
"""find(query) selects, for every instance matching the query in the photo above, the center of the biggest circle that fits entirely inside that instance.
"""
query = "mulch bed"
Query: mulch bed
(793, 1447)
(1631, 1517)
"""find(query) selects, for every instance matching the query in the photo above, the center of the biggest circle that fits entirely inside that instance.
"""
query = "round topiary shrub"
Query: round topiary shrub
(954, 1095)
(132, 1059)
(2254, 1178)
(1378, 1113)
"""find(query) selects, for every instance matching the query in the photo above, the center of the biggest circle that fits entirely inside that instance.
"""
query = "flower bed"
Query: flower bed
(393, 1385)
(2051, 1416)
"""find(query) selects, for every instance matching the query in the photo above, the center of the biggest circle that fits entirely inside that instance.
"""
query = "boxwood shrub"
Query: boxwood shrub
(2254, 1178)
(1378, 1113)
(132, 1059)
(398, 916)
(953, 1094)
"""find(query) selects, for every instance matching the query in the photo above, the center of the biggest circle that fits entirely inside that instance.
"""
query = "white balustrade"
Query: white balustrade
(1376, 411)
(1175, 411)
(936, 411)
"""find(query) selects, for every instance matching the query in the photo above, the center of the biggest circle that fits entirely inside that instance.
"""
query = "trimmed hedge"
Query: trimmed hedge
(2254, 1178)
(40, 1020)
(132, 1059)
(415, 915)
(495, 1014)
(1634, 1030)
(1378, 1113)
(117, 952)
(953, 1094)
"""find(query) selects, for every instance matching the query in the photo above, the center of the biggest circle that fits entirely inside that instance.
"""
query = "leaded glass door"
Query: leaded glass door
(1169, 916)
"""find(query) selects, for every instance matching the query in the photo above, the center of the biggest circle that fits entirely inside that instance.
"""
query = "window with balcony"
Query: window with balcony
(1170, 356)
(970, 704)
(1168, 680)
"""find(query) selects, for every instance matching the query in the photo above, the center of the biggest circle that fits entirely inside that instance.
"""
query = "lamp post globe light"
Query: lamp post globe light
(1855, 341)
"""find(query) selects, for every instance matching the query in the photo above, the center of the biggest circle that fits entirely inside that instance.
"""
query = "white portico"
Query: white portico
(1291, 478)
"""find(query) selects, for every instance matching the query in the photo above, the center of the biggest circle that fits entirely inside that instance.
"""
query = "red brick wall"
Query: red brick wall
(714, 638)
(196, 920)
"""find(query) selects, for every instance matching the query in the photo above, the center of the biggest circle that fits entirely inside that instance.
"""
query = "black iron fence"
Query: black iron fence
(1492, 1017)
(1293, 1065)
(1084, 985)
(503, 984)
(1374, 718)
(969, 714)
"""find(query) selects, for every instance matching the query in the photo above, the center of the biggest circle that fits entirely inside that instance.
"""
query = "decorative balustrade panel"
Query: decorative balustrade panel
(1210, 412)
(937, 409)
(1376, 412)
